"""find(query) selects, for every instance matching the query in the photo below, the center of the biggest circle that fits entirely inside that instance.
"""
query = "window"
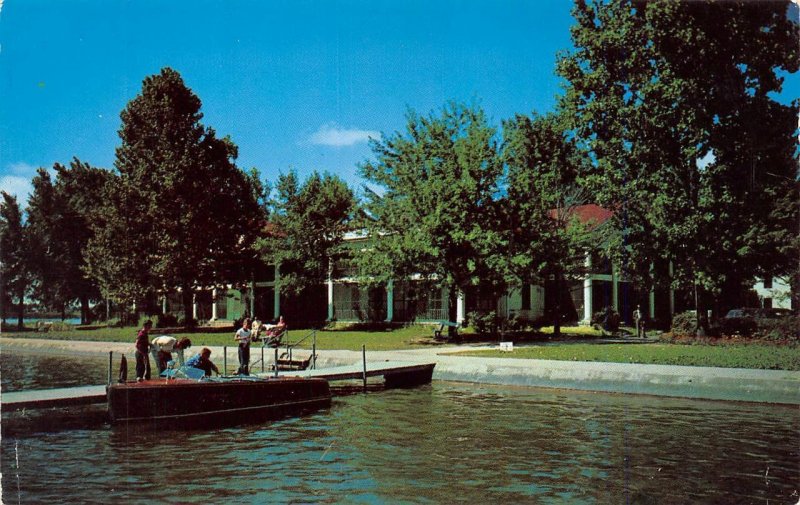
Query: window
(768, 283)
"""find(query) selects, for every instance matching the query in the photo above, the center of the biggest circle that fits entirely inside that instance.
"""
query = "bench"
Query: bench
(437, 333)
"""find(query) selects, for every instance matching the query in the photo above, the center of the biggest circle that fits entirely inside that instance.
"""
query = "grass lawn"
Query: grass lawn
(727, 356)
(399, 338)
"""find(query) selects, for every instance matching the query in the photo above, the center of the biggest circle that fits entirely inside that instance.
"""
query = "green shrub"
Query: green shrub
(484, 323)
(61, 326)
(608, 319)
(684, 323)
(784, 328)
(166, 321)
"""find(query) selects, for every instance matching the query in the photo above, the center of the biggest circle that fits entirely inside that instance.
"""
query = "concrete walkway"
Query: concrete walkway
(737, 384)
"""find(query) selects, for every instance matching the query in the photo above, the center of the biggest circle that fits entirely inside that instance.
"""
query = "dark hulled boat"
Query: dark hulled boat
(187, 402)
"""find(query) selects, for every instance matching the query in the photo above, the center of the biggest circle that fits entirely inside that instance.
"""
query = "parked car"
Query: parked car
(740, 321)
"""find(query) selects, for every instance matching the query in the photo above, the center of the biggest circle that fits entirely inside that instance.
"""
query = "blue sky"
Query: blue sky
(296, 84)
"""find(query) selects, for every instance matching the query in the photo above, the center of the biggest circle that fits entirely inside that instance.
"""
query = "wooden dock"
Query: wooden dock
(395, 373)
(48, 398)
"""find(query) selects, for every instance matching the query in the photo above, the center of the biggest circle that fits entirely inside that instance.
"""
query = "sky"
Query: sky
(296, 84)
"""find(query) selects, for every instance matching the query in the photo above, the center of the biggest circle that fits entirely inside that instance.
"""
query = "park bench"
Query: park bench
(437, 333)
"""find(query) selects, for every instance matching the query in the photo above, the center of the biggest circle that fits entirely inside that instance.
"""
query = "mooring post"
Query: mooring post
(314, 351)
(110, 365)
(276, 361)
(364, 359)
(224, 360)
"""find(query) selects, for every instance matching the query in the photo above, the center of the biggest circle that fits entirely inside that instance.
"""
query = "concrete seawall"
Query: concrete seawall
(735, 384)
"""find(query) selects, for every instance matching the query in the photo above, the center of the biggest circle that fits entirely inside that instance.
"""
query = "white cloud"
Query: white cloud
(16, 180)
(17, 186)
(331, 135)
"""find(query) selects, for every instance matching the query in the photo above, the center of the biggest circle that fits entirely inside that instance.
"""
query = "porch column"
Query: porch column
(252, 298)
(330, 297)
(277, 294)
(652, 300)
(460, 307)
(194, 306)
(163, 304)
(614, 288)
(587, 292)
(390, 301)
(214, 304)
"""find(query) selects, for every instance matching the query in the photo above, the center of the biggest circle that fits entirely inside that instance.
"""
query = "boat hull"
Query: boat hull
(182, 402)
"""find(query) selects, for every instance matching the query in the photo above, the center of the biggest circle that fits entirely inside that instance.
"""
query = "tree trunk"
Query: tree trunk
(452, 311)
(84, 309)
(557, 318)
(21, 312)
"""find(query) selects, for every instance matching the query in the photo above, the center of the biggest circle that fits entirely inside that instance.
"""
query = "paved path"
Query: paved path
(664, 380)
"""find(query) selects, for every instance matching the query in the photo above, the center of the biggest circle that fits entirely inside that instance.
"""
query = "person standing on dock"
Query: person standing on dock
(243, 335)
(142, 351)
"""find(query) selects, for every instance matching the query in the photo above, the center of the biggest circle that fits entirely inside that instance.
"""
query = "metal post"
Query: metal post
(364, 359)
(262, 359)
(224, 360)
(110, 365)
(276, 361)
(314, 351)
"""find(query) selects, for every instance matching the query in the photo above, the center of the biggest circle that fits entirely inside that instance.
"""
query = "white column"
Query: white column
(164, 304)
(460, 303)
(587, 292)
(214, 304)
(330, 290)
(194, 306)
(390, 301)
(277, 294)
(252, 298)
(614, 288)
(652, 300)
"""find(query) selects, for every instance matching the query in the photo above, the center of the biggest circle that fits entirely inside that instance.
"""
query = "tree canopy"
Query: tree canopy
(672, 101)
(308, 226)
(177, 213)
(436, 216)
(14, 250)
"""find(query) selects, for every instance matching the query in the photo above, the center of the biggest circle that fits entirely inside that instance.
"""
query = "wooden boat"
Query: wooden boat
(189, 402)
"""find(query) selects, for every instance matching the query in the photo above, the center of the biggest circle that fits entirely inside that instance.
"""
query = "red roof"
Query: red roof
(589, 214)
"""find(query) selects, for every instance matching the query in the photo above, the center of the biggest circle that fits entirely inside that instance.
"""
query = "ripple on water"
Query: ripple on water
(442, 443)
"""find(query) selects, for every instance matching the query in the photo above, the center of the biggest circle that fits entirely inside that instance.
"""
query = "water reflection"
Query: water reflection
(443, 443)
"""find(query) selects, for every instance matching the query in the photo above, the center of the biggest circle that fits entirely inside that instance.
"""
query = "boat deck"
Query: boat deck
(86, 395)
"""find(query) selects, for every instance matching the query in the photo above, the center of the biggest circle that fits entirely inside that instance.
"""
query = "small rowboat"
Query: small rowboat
(211, 401)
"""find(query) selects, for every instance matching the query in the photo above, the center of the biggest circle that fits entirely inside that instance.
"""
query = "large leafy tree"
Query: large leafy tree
(435, 216)
(13, 256)
(46, 256)
(79, 186)
(309, 221)
(177, 214)
(545, 239)
(670, 99)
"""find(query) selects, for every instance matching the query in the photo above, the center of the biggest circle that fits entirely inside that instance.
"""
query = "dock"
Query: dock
(395, 374)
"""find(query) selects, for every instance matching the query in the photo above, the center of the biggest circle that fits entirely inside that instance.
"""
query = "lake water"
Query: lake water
(440, 443)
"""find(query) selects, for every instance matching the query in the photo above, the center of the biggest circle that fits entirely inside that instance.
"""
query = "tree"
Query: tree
(178, 214)
(13, 255)
(310, 222)
(666, 97)
(545, 240)
(80, 187)
(46, 256)
(437, 216)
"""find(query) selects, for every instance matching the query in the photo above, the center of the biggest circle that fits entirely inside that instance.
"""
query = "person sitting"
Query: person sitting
(203, 362)
(275, 332)
(255, 329)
